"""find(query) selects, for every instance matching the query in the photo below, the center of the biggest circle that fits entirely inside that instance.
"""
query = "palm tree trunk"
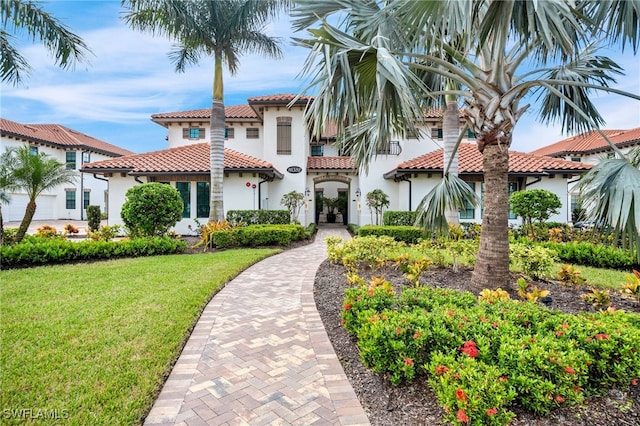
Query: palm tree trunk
(216, 153)
(492, 264)
(451, 131)
(1, 227)
(26, 220)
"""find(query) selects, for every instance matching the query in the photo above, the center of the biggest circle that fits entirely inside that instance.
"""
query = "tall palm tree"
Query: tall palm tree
(223, 29)
(6, 185)
(499, 53)
(34, 174)
(20, 16)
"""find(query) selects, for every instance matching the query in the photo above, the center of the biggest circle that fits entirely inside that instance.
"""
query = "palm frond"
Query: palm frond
(451, 193)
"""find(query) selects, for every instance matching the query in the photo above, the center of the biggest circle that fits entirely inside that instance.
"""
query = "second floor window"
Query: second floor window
(253, 133)
(193, 133)
(317, 150)
(86, 157)
(284, 135)
(71, 160)
(33, 150)
(229, 133)
(436, 133)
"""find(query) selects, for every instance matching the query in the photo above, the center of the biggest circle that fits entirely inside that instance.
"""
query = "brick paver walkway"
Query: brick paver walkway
(259, 355)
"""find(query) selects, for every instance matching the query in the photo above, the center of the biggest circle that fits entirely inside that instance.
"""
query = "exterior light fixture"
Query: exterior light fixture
(307, 192)
(358, 193)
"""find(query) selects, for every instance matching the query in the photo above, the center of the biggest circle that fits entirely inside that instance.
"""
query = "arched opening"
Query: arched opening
(333, 199)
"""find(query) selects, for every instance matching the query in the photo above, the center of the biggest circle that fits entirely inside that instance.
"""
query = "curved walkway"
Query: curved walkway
(259, 355)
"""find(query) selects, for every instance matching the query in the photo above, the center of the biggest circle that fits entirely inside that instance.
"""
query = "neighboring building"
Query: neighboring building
(590, 148)
(68, 147)
(269, 152)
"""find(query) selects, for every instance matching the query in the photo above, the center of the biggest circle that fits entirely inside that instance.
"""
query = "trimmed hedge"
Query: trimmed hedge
(258, 235)
(399, 218)
(37, 251)
(259, 217)
(598, 255)
(407, 234)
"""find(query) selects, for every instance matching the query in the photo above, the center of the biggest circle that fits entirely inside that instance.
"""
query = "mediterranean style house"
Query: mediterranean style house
(590, 148)
(69, 147)
(269, 152)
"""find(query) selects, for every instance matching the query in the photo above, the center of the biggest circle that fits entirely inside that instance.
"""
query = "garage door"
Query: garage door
(14, 211)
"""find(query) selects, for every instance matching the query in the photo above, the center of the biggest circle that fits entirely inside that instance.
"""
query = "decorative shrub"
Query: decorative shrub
(407, 234)
(256, 235)
(535, 261)
(93, 217)
(46, 231)
(589, 254)
(259, 217)
(399, 218)
(70, 229)
(105, 233)
(151, 209)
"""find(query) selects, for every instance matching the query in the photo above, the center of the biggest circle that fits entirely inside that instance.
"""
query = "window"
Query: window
(468, 212)
(202, 199)
(86, 197)
(229, 133)
(71, 200)
(253, 133)
(513, 187)
(193, 133)
(284, 135)
(470, 134)
(71, 160)
(317, 150)
(33, 150)
(611, 155)
(436, 133)
(184, 188)
(576, 159)
(86, 157)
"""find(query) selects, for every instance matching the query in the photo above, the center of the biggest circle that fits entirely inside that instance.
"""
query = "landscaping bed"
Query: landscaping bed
(414, 403)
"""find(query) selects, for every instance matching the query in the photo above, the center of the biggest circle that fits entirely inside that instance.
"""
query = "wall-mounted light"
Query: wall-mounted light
(358, 193)
(307, 192)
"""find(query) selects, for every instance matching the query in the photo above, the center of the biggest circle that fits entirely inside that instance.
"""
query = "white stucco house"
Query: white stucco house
(590, 148)
(269, 152)
(69, 147)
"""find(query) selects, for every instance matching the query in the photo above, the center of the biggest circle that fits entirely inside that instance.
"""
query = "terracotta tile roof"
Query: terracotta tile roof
(240, 111)
(470, 162)
(236, 111)
(330, 163)
(188, 159)
(282, 98)
(59, 136)
(590, 142)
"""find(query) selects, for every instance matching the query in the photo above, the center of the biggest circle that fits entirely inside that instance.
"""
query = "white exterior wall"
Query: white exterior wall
(558, 186)
(52, 205)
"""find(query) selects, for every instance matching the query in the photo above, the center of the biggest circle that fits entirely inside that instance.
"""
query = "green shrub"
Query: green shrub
(36, 251)
(93, 217)
(353, 228)
(311, 230)
(360, 250)
(259, 217)
(399, 218)
(257, 235)
(407, 234)
(151, 209)
(589, 254)
(535, 261)
(105, 233)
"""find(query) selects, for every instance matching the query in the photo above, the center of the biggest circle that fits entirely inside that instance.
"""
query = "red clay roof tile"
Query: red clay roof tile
(590, 142)
(330, 163)
(60, 136)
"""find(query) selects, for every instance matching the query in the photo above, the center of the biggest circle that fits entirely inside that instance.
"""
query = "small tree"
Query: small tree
(151, 209)
(377, 200)
(93, 217)
(538, 204)
(293, 201)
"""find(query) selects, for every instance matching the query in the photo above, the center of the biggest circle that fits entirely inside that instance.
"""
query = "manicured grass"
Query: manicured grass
(93, 342)
(601, 278)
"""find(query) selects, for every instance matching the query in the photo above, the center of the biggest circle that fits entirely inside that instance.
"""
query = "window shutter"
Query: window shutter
(185, 133)
(201, 133)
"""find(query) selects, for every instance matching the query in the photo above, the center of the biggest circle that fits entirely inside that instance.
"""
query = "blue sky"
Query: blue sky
(130, 77)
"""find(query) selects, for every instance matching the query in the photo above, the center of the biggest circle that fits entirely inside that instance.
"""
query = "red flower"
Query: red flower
(408, 362)
(462, 416)
(588, 340)
(634, 382)
(370, 292)
(559, 399)
(602, 336)
(470, 349)
(347, 306)
(416, 335)
(503, 378)
(565, 325)
(491, 411)
(441, 369)
(577, 389)
(456, 376)
(570, 370)
(494, 325)
(460, 395)
(559, 333)
(398, 330)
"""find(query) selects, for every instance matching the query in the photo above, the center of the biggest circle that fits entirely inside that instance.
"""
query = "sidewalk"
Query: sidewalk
(259, 355)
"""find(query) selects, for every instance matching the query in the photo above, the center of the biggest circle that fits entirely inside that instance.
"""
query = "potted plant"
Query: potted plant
(332, 204)
(343, 206)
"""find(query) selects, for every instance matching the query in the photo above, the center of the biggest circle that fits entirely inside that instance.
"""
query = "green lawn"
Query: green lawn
(92, 343)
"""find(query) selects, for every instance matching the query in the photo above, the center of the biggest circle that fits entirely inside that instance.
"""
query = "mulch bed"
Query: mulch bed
(414, 403)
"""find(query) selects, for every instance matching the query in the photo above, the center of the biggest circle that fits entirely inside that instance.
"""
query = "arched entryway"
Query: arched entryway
(334, 199)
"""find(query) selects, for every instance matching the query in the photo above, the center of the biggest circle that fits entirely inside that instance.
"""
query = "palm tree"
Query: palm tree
(499, 53)
(34, 174)
(6, 185)
(224, 29)
(29, 17)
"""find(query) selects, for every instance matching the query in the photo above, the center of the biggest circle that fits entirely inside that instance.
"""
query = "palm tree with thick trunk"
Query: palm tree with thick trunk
(222, 29)
(499, 54)
(33, 174)
(20, 16)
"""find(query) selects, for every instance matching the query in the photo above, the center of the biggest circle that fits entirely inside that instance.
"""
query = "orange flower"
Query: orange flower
(398, 330)
(602, 336)
(503, 378)
(634, 382)
(441, 369)
(570, 370)
(347, 306)
(416, 335)
(460, 395)
(559, 333)
(408, 361)
(559, 399)
(462, 416)
(491, 411)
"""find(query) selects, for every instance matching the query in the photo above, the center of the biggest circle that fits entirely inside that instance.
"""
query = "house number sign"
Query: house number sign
(294, 169)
